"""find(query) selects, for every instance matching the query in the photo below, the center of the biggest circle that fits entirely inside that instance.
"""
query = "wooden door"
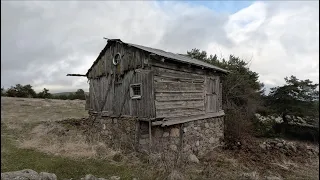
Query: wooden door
(210, 95)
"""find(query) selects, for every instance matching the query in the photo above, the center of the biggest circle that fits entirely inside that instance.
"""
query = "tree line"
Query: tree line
(26, 91)
(244, 95)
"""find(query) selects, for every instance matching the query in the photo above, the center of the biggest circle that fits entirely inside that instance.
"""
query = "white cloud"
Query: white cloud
(46, 40)
(281, 42)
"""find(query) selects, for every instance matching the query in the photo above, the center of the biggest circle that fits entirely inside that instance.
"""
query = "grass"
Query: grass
(31, 139)
(20, 117)
(13, 159)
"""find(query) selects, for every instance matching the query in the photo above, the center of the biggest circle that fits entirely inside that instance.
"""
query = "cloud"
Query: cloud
(43, 41)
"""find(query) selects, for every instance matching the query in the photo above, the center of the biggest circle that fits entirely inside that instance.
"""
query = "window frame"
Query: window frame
(132, 95)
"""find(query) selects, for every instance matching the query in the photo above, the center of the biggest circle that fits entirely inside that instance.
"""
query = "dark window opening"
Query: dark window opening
(116, 59)
(135, 91)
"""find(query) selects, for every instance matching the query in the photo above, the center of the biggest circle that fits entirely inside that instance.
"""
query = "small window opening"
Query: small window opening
(135, 91)
(116, 59)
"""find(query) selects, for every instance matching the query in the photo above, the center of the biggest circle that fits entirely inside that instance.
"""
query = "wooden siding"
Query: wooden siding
(109, 89)
(178, 93)
(132, 58)
(118, 100)
(169, 89)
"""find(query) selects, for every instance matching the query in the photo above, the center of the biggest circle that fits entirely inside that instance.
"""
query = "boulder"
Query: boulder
(47, 176)
(115, 178)
(90, 177)
(193, 158)
(26, 174)
(175, 132)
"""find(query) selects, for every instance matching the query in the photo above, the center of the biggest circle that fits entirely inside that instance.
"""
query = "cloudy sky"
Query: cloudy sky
(42, 41)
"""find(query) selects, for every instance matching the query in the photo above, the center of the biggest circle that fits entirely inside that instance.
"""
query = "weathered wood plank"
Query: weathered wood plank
(171, 96)
(173, 79)
(178, 86)
(178, 112)
(186, 103)
(177, 74)
(179, 120)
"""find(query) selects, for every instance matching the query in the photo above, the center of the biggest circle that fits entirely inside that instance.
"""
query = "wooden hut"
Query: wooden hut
(160, 89)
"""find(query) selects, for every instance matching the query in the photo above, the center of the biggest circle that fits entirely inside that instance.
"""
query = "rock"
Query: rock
(90, 177)
(186, 148)
(173, 147)
(212, 140)
(252, 175)
(166, 134)
(176, 175)
(158, 132)
(114, 178)
(26, 174)
(291, 146)
(193, 158)
(47, 176)
(263, 146)
(142, 141)
(115, 120)
(280, 145)
(101, 179)
(197, 143)
(175, 132)
(206, 125)
(185, 130)
(273, 178)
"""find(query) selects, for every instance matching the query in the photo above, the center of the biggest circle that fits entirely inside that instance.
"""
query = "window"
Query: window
(135, 91)
(116, 59)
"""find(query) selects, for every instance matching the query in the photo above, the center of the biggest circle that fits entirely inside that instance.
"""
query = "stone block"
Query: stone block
(173, 147)
(158, 132)
(166, 134)
(206, 125)
(175, 132)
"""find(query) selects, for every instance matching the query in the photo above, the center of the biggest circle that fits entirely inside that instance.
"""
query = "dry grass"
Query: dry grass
(35, 137)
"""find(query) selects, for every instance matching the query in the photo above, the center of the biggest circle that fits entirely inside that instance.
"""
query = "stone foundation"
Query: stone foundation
(196, 137)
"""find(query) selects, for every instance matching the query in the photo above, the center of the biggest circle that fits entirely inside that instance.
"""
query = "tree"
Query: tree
(3, 92)
(296, 97)
(44, 94)
(21, 91)
(79, 94)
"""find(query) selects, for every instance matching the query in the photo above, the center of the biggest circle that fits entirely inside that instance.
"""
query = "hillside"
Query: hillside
(65, 93)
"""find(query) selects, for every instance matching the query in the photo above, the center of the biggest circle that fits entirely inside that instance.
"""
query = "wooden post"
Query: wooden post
(137, 136)
(150, 135)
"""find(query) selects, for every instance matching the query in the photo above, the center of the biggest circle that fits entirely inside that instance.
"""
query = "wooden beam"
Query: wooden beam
(150, 136)
(180, 120)
(76, 75)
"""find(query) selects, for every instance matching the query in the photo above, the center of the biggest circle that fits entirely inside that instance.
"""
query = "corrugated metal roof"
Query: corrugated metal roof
(178, 57)
(169, 55)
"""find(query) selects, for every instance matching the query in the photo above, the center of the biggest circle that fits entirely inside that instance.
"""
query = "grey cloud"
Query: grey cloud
(43, 41)
(191, 30)
(38, 36)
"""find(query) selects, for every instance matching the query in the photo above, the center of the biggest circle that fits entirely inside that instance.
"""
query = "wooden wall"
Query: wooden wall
(183, 92)
(110, 84)
(132, 58)
(178, 93)
(169, 89)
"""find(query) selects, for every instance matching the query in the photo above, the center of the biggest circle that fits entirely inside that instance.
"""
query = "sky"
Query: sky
(42, 41)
